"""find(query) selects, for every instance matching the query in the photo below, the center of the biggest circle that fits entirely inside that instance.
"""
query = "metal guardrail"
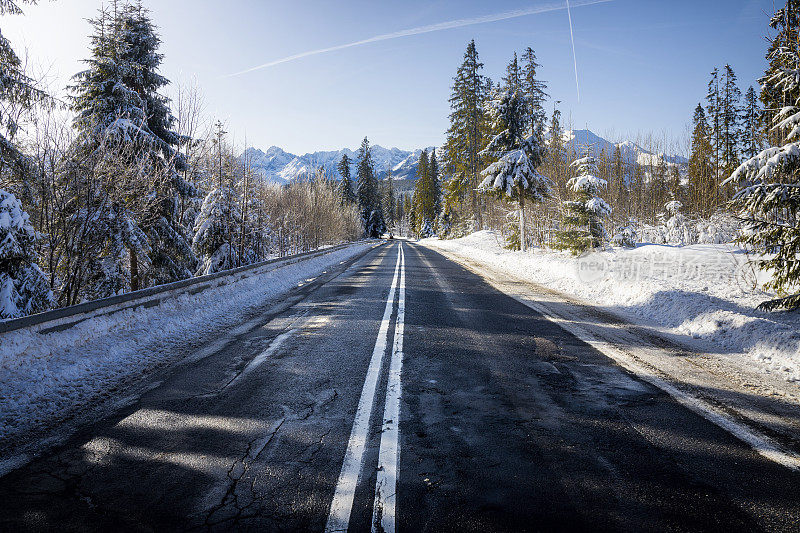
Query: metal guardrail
(66, 317)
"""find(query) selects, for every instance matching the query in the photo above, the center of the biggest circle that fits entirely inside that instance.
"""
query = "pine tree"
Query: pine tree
(421, 222)
(701, 168)
(658, 186)
(556, 152)
(425, 194)
(785, 22)
(714, 116)
(368, 196)
(18, 96)
(513, 175)
(23, 286)
(218, 222)
(677, 231)
(512, 81)
(110, 119)
(389, 200)
(436, 185)
(675, 186)
(638, 183)
(465, 135)
(536, 91)
(768, 199)
(346, 184)
(619, 184)
(730, 121)
(399, 211)
(171, 255)
(408, 204)
(584, 215)
(117, 104)
(220, 219)
(751, 139)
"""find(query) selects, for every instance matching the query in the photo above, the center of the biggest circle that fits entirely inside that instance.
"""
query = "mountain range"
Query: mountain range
(279, 166)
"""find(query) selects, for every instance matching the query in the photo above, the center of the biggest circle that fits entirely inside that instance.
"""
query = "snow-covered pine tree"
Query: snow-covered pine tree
(768, 199)
(18, 96)
(107, 118)
(368, 195)
(219, 220)
(122, 120)
(24, 289)
(677, 231)
(346, 183)
(465, 135)
(785, 25)
(625, 236)
(513, 176)
(584, 215)
(171, 254)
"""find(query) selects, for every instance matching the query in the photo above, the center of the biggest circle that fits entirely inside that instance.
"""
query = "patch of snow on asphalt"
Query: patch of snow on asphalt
(44, 377)
(705, 291)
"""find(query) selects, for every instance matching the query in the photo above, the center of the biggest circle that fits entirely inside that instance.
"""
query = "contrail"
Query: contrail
(574, 58)
(460, 23)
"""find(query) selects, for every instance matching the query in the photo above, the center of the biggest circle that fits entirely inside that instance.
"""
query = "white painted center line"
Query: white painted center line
(342, 504)
(385, 509)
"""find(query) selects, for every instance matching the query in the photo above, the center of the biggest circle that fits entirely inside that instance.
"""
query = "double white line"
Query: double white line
(384, 509)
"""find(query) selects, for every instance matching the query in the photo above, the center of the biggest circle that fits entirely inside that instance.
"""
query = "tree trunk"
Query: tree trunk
(521, 220)
(134, 269)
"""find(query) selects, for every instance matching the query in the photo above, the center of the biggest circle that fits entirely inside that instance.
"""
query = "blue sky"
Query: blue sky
(642, 64)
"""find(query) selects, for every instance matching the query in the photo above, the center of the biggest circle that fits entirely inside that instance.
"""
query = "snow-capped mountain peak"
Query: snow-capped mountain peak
(630, 151)
(282, 167)
(279, 166)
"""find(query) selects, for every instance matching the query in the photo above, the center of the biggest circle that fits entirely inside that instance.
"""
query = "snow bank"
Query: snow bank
(46, 377)
(703, 291)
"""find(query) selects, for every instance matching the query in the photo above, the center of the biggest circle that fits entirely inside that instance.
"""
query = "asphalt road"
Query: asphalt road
(506, 423)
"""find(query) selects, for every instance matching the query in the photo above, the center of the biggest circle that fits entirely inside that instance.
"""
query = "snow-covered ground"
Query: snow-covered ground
(45, 377)
(705, 292)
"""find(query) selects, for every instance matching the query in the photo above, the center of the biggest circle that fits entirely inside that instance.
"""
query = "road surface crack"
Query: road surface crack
(232, 506)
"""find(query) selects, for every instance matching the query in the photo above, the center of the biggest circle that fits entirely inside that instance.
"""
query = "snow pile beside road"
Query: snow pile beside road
(703, 291)
(45, 377)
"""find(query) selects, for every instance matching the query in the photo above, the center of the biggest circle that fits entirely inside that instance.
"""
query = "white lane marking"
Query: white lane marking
(260, 358)
(342, 504)
(385, 509)
(760, 443)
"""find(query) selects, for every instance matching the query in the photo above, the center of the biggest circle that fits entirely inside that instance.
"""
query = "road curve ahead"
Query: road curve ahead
(402, 392)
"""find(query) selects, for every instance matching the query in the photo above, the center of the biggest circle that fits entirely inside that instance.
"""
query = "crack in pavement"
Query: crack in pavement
(238, 501)
(235, 474)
